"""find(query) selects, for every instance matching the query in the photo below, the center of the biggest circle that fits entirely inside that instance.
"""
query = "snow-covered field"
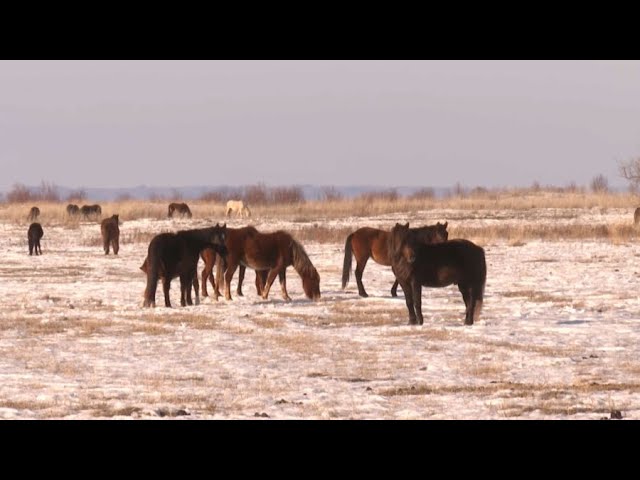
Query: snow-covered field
(558, 337)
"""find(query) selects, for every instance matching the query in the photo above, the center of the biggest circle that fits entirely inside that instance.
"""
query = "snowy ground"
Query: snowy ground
(559, 334)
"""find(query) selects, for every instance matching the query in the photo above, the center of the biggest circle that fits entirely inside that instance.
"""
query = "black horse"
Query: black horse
(91, 210)
(34, 235)
(34, 213)
(457, 261)
(181, 208)
(172, 255)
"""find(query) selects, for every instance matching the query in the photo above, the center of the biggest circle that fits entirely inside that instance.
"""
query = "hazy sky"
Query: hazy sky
(431, 123)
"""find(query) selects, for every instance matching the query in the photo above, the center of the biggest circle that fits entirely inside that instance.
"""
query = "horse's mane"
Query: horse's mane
(301, 262)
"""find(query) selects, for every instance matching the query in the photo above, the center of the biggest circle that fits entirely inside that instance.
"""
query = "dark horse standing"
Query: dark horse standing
(417, 264)
(89, 210)
(368, 242)
(34, 213)
(34, 235)
(110, 231)
(181, 208)
(271, 253)
(73, 210)
(172, 255)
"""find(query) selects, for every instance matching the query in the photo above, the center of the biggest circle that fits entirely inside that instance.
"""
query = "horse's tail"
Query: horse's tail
(479, 288)
(152, 281)
(346, 266)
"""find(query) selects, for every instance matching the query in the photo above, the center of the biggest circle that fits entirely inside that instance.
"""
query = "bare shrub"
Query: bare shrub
(599, 184)
(390, 195)
(21, 193)
(287, 195)
(331, 194)
(256, 194)
(426, 193)
(77, 196)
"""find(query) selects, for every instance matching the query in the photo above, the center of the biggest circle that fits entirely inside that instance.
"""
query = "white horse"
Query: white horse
(239, 207)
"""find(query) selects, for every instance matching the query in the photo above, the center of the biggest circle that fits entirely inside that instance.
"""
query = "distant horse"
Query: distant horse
(636, 216)
(110, 234)
(34, 213)
(271, 253)
(372, 242)
(181, 208)
(90, 210)
(172, 255)
(239, 207)
(34, 234)
(416, 264)
(73, 210)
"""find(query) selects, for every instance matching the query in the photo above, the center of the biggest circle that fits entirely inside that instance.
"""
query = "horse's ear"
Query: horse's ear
(407, 225)
(445, 224)
(224, 225)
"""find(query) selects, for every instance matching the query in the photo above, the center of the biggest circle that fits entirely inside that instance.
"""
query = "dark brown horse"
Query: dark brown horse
(34, 234)
(636, 216)
(34, 213)
(110, 231)
(368, 242)
(172, 255)
(91, 210)
(416, 264)
(181, 208)
(271, 253)
(73, 210)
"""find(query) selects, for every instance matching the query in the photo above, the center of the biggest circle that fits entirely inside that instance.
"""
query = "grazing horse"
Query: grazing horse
(34, 234)
(181, 208)
(172, 255)
(34, 213)
(271, 253)
(372, 242)
(210, 258)
(110, 234)
(416, 264)
(73, 210)
(636, 216)
(91, 210)
(239, 207)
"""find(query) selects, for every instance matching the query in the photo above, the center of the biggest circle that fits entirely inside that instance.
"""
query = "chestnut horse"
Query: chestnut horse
(172, 255)
(271, 253)
(417, 264)
(110, 230)
(369, 242)
(209, 257)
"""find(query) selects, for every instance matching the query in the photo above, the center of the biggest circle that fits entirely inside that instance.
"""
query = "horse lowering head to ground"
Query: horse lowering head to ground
(416, 264)
(172, 255)
(110, 230)
(34, 213)
(34, 234)
(73, 210)
(239, 207)
(91, 211)
(368, 242)
(271, 253)
(180, 208)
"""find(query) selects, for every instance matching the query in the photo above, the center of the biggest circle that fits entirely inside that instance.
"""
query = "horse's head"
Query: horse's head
(441, 234)
(219, 235)
(401, 245)
(311, 284)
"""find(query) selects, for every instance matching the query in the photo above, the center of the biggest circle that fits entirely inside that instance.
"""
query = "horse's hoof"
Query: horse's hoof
(364, 295)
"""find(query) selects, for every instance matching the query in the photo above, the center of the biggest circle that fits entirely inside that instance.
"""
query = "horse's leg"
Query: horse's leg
(240, 279)
(468, 302)
(408, 298)
(166, 284)
(105, 244)
(39, 247)
(196, 286)
(185, 289)
(360, 264)
(417, 300)
(204, 279)
(394, 289)
(228, 275)
(220, 272)
(116, 245)
(270, 278)
(283, 284)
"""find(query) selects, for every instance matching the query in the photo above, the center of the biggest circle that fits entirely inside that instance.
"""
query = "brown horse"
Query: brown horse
(416, 264)
(34, 213)
(636, 216)
(181, 208)
(73, 210)
(91, 210)
(209, 257)
(368, 242)
(110, 231)
(172, 255)
(271, 253)
(34, 234)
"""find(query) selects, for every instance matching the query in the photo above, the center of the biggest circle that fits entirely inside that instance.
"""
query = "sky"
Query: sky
(387, 123)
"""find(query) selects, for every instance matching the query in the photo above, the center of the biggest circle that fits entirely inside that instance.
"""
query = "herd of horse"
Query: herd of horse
(418, 257)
